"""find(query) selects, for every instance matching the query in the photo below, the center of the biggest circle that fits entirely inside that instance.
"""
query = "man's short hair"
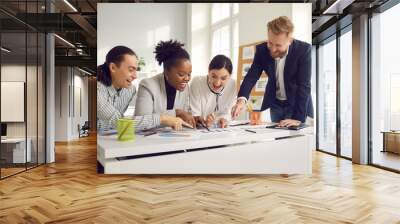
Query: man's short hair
(279, 25)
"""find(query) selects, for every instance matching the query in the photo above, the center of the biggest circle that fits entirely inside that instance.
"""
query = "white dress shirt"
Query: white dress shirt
(112, 104)
(204, 102)
(280, 81)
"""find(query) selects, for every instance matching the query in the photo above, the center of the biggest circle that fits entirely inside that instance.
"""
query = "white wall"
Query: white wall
(85, 98)
(80, 83)
(12, 101)
(255, 29)
(67, 116)
(12, 73)
(253, 19)
(200, 40)
(301, 18)
(139, 26)
(61, 103)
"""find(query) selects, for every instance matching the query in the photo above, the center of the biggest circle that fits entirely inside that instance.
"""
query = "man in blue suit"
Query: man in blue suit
(287, 62)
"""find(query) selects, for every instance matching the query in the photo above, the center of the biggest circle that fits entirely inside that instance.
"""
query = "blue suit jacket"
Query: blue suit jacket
(297, 78)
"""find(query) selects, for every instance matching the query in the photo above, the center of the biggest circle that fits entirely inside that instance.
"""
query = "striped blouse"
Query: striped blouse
(112, 104)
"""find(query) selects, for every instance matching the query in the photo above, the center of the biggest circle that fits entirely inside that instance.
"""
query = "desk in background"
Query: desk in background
(391, 141)
(13, 150)
(268, 151)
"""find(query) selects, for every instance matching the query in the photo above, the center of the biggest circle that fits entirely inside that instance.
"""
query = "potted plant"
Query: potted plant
(141, 64)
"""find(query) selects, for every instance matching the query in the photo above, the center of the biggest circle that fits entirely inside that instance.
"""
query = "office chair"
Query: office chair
(84, 130)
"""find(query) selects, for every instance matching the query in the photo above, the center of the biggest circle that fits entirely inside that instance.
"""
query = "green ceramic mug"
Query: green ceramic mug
(126, 129)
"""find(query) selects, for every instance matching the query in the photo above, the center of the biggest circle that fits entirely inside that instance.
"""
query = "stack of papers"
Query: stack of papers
(239, 122)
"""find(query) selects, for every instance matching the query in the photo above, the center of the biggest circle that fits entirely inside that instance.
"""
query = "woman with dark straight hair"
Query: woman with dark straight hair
(212, 96)
(167, 92)
(115, 92)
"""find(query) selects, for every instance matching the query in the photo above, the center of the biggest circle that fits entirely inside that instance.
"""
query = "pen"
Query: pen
(204, 126)
(150, 133)
(250, 131)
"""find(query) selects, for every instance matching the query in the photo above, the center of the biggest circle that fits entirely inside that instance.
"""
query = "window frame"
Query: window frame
(334, 37)
(379, 10)
(230, 22)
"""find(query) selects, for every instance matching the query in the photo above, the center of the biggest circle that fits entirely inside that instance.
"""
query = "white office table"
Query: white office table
(269, 151)
(18, 149)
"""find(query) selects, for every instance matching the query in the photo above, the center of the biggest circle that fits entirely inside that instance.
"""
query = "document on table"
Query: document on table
(187, 133)
(192, 134)
(168, 133)
(239, 122)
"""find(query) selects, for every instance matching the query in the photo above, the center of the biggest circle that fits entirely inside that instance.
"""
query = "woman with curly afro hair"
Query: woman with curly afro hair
(167, 92)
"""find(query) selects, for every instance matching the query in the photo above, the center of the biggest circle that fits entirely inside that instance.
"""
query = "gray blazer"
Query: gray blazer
(152, 97)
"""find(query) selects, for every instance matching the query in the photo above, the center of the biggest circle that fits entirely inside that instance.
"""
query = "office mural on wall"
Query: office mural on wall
(196, 151)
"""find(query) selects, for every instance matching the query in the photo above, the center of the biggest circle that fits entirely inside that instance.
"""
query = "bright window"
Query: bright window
(220, 11)
(221, 41)
(385, 84)
(327, 97)
(346, 94)
(225, 32)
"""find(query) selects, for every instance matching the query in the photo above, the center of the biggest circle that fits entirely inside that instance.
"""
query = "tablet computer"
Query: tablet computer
(297, 127)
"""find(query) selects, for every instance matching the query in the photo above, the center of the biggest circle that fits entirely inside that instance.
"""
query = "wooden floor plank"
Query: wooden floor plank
(70, 191)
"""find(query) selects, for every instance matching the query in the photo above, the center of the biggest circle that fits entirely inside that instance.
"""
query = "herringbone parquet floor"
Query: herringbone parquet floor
(70, 191)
